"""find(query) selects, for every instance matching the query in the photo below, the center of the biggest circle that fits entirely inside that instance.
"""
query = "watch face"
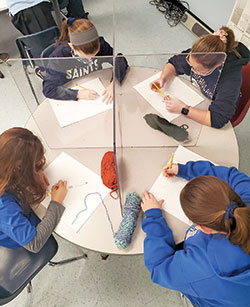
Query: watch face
(184, 111)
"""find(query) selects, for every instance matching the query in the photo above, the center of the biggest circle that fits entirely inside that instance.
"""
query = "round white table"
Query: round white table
(138, 166)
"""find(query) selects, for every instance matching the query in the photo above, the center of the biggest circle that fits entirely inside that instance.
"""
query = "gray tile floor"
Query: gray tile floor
(120, 280)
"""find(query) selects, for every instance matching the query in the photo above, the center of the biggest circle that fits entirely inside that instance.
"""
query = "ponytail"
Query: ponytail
(64, 36)
(240, 233)
(209, 201)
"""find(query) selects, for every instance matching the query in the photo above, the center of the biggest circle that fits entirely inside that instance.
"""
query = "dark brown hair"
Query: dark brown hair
(21, 158)
(79, 25)
(210, 43)
(204, 200)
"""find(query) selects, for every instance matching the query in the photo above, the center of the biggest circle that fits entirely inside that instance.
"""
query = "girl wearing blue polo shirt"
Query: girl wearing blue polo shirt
(212, 268)
(22, 186)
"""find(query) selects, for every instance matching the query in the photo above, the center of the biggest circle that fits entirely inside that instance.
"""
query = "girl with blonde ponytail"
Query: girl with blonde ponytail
(212, 266)
(87, 52)
(214, 64)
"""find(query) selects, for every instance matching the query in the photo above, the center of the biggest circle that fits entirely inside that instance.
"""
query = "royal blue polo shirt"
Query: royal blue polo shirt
(16, 228)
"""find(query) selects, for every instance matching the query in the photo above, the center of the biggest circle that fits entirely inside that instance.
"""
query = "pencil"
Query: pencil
(159, 90)
(171, 160)
(53, 191)
(84, 88)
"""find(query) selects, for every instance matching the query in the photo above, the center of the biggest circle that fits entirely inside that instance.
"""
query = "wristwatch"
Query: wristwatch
(185, 111)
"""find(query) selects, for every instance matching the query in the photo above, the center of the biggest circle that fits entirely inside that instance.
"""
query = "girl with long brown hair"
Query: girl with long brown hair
(22, 186)
(212, 266)
(87, 52)
(218, 79)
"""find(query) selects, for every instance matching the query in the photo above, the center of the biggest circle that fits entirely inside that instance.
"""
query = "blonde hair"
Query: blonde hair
(204, 200)
(79, 25)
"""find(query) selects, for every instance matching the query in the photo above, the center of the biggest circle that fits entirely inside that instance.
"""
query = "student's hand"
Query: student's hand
(59, 191)
(87, 94)
(170, 172)
(174, 105)
(150, 202)
(108, 94)
(159, 82)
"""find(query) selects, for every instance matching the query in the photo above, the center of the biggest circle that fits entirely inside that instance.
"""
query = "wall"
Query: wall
(214, 13)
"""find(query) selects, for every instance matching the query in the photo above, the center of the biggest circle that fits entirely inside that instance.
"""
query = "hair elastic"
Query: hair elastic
(222, 34)
(230, 210)
(70, 20)
(81, 38)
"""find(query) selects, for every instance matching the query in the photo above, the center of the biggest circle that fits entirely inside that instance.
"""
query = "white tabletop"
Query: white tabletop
(138, 169)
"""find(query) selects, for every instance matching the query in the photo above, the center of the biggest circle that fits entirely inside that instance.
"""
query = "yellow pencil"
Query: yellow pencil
(84, 88)
(53, 190)
(171, 160)
(159, 90)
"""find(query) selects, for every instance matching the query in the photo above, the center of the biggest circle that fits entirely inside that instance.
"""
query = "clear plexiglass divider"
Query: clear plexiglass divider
(65, 97)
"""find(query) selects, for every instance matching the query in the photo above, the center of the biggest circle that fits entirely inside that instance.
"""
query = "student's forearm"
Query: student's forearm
(201, 116)
(168, 72)
(45, 228)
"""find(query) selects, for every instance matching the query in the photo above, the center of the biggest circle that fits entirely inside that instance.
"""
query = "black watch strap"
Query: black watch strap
(185, 111)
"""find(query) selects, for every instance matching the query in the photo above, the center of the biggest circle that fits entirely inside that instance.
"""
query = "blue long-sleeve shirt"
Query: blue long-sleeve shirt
(210, 270)
(63, 67)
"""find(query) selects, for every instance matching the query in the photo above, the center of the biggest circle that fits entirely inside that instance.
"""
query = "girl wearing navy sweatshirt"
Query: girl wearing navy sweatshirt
(218, 82)
(22, 186)
(213, 266)
(80, 42)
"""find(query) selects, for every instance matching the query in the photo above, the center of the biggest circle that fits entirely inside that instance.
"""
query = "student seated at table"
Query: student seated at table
(23, 185)
(79, 40)
(212, 268)
(224, 94)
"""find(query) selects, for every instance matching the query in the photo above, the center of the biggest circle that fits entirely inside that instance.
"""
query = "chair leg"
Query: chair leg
(30, 84)
(29, 287)
(104, 256)
(1, 75)
(54, 263)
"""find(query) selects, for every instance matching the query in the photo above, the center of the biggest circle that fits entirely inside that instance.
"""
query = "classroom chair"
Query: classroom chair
(30, 48)
(19, 266)
(244, 101)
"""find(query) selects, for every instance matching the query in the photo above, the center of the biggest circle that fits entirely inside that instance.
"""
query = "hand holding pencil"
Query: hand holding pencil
(171, 169)
(157, 85)
(59, 191)
(86, 94)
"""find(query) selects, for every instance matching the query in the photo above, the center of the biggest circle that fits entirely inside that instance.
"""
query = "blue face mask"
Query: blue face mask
(80, 59)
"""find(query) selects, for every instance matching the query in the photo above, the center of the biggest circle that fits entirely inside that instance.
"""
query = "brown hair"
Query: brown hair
(21, 157)
(204, 200)
(212, 43)
(79, 25)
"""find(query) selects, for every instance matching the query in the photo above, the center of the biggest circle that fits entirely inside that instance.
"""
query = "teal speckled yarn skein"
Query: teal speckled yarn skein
(131, 213)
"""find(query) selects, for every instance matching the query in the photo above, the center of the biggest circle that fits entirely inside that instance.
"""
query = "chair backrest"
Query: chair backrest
(31, 46)
(19, 266)
(47, 51)
(244, 101)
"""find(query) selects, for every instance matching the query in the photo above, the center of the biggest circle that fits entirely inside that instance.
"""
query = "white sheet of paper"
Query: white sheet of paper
(68, 112)
(169, 188)
(67, 168)
(177, 89)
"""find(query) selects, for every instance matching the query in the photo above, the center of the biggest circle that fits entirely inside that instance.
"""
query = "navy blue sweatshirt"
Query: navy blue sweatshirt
(227, 92)
(61, 71)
